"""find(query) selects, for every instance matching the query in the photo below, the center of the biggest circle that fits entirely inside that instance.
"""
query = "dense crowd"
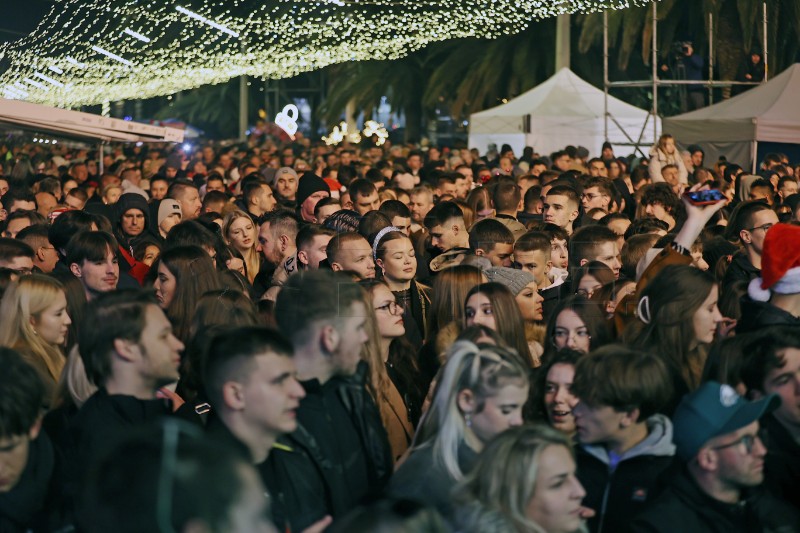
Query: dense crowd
(297, 337)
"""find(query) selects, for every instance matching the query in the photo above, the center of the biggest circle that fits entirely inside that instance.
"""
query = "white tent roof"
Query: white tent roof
(767, 113)
(80, 125)
(563, 94)
(563, 110)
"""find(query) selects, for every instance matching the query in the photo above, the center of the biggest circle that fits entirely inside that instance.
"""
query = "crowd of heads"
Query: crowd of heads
(294, 336)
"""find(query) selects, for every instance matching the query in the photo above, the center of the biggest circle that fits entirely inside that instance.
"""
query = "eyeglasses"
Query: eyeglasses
(393, 308)
(764, 227)
(748, 441)
(563, 335)
(586, 293)
(590, 196)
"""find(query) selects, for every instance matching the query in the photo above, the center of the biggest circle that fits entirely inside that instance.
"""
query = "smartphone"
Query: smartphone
(711, 196)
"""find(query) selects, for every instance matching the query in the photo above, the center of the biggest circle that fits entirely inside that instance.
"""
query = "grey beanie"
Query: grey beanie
(514, 279)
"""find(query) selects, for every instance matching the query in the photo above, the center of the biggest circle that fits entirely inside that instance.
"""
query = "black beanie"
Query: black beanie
(308, 185)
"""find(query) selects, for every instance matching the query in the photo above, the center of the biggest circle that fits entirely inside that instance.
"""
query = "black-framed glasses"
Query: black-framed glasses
(393, 308)
(562, 335)
(748, 441)
(591, 196)
(764, 227)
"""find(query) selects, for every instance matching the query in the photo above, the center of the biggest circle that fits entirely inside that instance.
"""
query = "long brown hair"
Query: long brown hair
(507, 316)
(450, 290)
(667, 328)
(195, 275)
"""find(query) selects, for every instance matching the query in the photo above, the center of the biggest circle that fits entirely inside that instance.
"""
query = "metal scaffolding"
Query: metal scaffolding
(656, 82)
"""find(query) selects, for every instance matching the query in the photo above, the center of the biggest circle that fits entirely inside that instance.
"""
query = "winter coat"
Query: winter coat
(128, 263)
(25, 507)
(102, 422)
(684, 507)
(618, 487)
(425, 479)
(782, 464)
(659, 159)
(757, 315)
(303, 476)
(740, 269)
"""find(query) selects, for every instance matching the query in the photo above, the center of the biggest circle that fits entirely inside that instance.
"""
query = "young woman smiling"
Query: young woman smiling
(397, 264)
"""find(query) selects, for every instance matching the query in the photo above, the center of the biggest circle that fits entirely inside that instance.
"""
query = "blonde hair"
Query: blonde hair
(251, 258)
(484, 370)
(23, 302)
(504, 480)
(74, 386)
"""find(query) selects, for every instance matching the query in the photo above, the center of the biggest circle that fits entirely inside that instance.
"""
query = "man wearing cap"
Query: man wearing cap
(774, 298)
(720, 487)
(310, 190)
(286, 183)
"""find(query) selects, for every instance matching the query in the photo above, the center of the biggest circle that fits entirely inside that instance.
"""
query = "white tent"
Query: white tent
(78, 125)
(767, 113)
(564, 110)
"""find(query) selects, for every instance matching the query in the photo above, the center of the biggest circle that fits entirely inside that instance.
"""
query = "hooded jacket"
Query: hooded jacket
(684, 507)
(127, 201)
(618, 487)
(131, 201)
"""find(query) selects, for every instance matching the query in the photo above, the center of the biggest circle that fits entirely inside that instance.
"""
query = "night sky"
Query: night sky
(21, 18)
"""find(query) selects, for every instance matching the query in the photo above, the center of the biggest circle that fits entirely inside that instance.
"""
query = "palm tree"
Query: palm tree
(473, 74)
(737, 29)
(402, 81)
(214, 108)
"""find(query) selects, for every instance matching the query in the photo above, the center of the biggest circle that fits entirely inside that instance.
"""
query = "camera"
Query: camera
(681, 48)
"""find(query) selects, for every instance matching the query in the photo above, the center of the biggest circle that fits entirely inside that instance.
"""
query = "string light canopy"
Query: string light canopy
(86, 52)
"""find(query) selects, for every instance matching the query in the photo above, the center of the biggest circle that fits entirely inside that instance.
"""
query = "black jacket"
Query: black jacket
(686, 508)
(103, 421)
(303, 472)
(740, 269)
(757, 315)
(26, 507)
(782, 464)
(617, 491)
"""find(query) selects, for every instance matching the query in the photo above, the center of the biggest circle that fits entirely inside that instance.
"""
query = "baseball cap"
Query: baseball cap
(713, 410)
(285, 170)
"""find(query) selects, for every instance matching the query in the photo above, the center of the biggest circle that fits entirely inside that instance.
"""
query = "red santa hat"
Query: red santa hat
(780, 264)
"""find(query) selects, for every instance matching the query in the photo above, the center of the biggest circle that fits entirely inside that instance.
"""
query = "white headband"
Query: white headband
(378, 238)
